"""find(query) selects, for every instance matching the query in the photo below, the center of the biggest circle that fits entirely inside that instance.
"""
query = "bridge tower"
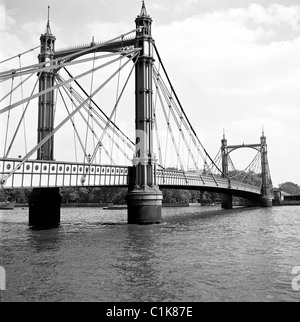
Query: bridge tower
(144, 198)
(266, 198)
(226, 199)
(44, 203)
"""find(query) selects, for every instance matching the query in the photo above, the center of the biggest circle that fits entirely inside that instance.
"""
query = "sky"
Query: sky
(235, 64)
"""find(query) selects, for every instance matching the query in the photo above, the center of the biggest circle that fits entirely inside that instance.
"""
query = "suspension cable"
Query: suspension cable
(24, 121)
(97, 106)
(47, 137)
(90, 113)
(25, 52)
(74, 126)
(165, 90)
(9, 107)
(20, 122)
(167, 118)
(108, 123)
(72, 103)
(179, 124)
(8, 119)
(67, 89)
(194, 132)
(156, 125)
(81, 52)
(117, 95)
(136, 55)
(15, 88)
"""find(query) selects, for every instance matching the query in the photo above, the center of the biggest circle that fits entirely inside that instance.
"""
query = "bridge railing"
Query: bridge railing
(186, 179)
(35, 173)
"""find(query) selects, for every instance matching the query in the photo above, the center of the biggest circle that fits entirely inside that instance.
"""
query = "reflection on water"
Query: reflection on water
(197, 254)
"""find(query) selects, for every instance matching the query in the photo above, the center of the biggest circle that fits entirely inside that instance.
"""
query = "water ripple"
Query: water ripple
(196, 254)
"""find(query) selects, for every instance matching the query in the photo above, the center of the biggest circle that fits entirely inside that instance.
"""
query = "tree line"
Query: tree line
(109, 195)
(118, 195)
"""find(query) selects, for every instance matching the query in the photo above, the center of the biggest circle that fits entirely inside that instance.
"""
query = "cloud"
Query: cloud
(105, 31)
(6, 21)
(238, 69)
(103, 2)
(240, 57)
(178, 6)
(184, 5)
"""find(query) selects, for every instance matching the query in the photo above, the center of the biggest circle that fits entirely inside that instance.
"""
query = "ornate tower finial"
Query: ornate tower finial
(48, 29)
(143, 11)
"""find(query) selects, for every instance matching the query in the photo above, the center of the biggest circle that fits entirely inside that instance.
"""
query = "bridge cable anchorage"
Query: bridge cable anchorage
(60, 125)
(5, 109)
(19, 55)
(191, 127)
(131, 143)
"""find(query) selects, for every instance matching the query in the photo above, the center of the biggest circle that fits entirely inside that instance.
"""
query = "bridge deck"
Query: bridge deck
(35, 173)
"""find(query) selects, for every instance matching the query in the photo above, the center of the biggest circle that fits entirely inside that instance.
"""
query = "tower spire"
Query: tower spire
(48, 29)
(143, 10)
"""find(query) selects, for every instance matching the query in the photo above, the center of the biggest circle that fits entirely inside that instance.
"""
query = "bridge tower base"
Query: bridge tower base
(144, 206)
(226, 201)
(266, 202)
(44, 208)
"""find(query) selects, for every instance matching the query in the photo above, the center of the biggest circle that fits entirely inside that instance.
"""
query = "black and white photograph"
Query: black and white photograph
(149, 153)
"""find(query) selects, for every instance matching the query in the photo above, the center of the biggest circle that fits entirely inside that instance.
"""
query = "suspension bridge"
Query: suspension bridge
(75, 98)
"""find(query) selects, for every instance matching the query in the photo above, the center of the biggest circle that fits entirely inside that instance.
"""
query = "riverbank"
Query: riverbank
(111, 206)
(288, 203)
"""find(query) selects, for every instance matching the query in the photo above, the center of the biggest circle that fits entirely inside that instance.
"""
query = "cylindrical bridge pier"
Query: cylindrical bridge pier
(44, 208)
(144, 207)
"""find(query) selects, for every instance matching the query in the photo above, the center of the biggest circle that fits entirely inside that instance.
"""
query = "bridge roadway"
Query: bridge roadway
(34, 174)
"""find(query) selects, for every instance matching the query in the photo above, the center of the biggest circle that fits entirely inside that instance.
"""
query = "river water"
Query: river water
(195, 255)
